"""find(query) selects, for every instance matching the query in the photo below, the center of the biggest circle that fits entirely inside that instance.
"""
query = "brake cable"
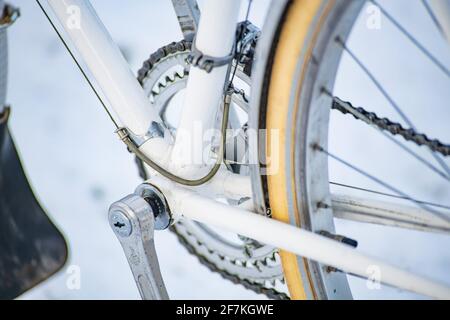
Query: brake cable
(125, 137)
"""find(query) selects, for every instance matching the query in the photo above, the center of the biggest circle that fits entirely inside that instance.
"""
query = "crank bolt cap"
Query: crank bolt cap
(120, 224)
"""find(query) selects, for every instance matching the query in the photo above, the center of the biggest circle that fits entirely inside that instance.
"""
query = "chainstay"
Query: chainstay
(258, 288)
(393, 128)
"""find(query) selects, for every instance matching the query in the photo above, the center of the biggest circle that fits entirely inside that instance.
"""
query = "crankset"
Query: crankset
(257, 267)
(243, 261)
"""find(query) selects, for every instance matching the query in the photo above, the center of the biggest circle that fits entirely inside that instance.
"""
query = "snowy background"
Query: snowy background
(78, 167)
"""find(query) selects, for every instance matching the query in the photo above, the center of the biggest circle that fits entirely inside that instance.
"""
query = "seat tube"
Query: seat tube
(215, 37)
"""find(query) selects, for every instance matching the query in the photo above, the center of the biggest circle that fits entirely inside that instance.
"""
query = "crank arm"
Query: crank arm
(133, 221)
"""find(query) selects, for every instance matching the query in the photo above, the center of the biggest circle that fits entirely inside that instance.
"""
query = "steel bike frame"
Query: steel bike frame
(132, 110)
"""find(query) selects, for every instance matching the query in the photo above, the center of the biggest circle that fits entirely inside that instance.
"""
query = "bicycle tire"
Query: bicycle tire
(304, 31)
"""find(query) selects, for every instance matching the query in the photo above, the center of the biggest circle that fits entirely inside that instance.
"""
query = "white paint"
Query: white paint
(389, 214)
(204, 90)
(292, 239)
(110, 70)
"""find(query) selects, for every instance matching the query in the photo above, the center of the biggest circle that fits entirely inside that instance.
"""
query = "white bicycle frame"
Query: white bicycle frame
(132, 110)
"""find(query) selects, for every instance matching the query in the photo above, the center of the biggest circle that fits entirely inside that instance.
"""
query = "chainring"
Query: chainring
(255, 266)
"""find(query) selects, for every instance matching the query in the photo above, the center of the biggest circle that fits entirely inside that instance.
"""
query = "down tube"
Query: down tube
(106, 63)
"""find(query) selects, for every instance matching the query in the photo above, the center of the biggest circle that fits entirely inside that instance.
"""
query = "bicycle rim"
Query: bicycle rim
(303, 39)
(296, 98)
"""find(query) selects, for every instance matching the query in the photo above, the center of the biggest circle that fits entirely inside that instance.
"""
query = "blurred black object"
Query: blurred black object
(31, 247)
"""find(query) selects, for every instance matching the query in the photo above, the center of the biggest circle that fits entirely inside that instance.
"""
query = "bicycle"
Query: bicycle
(275, 161)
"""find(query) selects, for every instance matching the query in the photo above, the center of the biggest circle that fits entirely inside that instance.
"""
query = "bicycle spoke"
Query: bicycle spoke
(390, 195)
(416, 42)
(387, 214)
(432, 16)
(389, 99)
(439, 214)
(376, 82)
(387, 136)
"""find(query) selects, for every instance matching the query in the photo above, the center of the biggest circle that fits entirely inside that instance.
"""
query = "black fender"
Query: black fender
(31, 247)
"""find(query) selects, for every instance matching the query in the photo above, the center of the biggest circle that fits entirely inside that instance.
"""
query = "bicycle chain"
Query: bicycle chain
(393, 128)
(256, 287)
(160, 54)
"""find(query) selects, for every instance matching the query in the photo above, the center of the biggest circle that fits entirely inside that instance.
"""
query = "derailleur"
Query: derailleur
(133, 220)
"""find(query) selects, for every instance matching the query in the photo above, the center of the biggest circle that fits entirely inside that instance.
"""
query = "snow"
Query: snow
(78, 167)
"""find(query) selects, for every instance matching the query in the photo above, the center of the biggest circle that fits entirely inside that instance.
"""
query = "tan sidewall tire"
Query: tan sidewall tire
(299, 30)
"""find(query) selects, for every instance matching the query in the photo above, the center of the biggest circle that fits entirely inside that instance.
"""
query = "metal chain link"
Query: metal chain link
(160, 54)
(393, 128)
(344, 107)
(253, 286)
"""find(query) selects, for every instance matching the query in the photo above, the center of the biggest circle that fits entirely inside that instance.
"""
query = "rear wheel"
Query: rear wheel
(292, 100)
(305, 34)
